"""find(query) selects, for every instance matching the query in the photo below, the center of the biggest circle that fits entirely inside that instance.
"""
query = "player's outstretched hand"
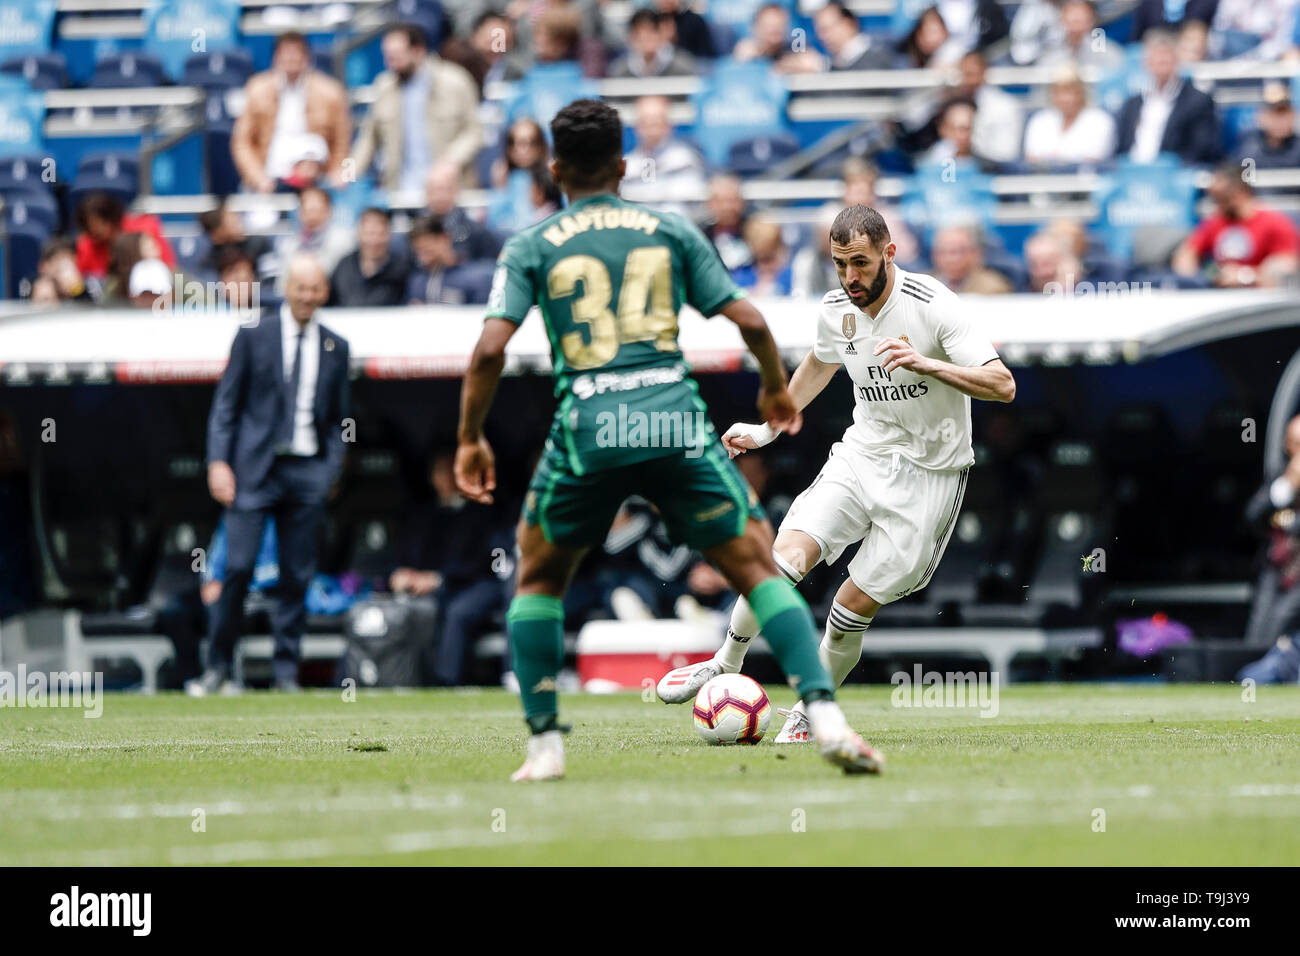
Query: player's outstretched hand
(476, 471)
(900, 354)
(779, 410)
(742, 437)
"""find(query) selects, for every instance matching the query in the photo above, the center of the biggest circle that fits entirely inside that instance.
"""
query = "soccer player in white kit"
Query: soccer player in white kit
(895, 481)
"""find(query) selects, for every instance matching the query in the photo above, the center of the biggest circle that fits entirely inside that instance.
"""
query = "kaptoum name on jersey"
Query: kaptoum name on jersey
(901, 412)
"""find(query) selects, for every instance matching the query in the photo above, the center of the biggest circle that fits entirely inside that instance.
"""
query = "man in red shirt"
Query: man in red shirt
(1248, 244)
(102, 218)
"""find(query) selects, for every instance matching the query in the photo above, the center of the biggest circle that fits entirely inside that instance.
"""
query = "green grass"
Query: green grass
(1185, 775)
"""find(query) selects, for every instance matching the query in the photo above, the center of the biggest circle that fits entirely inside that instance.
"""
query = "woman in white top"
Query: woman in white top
(1069, 131)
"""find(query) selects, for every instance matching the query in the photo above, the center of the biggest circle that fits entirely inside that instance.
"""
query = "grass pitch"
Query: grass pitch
(1182, 774)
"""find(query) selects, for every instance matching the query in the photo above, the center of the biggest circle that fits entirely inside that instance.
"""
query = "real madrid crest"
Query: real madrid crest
(849, 325)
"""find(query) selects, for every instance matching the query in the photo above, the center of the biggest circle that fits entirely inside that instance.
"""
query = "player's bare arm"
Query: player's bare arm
(991, 382)
(775, 403)
(809, 380)
(475, 466)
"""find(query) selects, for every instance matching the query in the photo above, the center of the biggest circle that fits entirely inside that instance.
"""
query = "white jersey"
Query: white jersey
(914, 416)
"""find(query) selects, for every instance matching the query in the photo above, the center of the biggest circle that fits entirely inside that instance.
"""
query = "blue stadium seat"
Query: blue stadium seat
(756, 154)
(738, 101)
(28, 28)
(219, 70)
(546, 90)
(83, 186)
(25, 244)
(171, 27)
(42, 71)
(23, 171)
(127, 71)
(427, 14)
(23, 207)
(1143, 196)
(124, 167)
(932, 200)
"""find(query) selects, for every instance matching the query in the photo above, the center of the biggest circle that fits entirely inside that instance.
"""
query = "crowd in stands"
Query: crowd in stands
(422, 130)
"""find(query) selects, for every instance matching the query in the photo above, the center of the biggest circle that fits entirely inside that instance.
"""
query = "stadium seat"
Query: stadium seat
(42, 71)
(86, 558)
(738, 101)
(24, 248)
(89, 183)
(426, 14)
(749, 157)
(128, 71)
(546, 90)
(115, 166)
(24, 171)
(1143, 197)
(171, 27)
(220, 70)
(22, 207)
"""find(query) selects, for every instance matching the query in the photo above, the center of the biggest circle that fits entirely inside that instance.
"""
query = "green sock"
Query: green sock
(535, 623)
(788, 626)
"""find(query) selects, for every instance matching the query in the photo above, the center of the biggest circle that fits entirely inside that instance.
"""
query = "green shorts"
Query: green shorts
(703, 500)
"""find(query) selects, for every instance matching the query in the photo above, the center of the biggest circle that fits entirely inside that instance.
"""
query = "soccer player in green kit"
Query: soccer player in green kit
(609, 277)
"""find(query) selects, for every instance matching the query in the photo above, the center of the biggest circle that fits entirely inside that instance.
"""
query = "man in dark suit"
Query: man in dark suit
(1169, 115)
(275, 448)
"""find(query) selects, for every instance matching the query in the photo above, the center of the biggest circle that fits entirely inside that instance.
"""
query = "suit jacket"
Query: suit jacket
(451, 121)
(252, 399)
(327, 115)
(1192, 130)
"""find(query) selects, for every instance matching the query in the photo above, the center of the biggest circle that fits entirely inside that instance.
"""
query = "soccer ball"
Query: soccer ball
(732, 709)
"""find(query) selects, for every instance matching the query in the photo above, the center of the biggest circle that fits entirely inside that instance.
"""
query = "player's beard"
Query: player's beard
(873, 291)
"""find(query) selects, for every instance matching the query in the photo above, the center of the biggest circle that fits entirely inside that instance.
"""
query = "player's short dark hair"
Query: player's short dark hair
(645, 17)
(414, 34)
(588, 139)
(290, 36)
(859, 221)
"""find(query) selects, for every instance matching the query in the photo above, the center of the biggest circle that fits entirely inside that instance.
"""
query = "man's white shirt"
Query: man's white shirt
(914, 416)
(304, 431)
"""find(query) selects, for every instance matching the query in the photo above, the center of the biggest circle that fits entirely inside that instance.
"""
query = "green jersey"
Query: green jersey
(610, 278)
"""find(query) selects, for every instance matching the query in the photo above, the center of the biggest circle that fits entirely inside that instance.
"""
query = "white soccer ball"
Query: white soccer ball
(732, 709)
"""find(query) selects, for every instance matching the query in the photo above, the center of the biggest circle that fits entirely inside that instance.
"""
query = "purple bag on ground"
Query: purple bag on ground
(1144, 636)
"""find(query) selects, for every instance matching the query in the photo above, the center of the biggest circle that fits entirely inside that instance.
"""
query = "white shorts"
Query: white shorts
(902, 514)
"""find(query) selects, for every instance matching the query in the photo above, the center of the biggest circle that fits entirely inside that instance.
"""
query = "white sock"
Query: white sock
(841, 645)
(744, 625)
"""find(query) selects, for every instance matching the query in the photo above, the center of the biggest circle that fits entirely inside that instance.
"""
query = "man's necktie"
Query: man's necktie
(291, 406)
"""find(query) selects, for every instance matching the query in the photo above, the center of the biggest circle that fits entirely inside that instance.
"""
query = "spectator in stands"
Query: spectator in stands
(129, 249)
(374, 274)
(650, 50)
(662, 171)
(1049, 263)
(449, 554)
(44, 293)
(860, 179)
(647, 572)
(770, 271)
(425, 110)
(1244, 243)
(770, 42)
(435, 260)
(58, 264)
(223, 228)
(812, 272)
(1275, 609)
(725, 221)
(956, 129)
(690, 31)
(841, 36)
(1193, 42)
(283, 103)
(1172, 17)
(1069, 131)
(973, 24)
(150, 284)
(237, 278)
(999, 119)
(101, 219)
(489, 52)
(275, 449)
(316, 233)
(1274, 144)
(1037, 27)
(1169, 115)
(471, 240)
(1252, 29)
(530, 195)
(306, 155)
(959, 263)
(1082, 43)
(557, 37)
(525, 147)
(927, 44)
